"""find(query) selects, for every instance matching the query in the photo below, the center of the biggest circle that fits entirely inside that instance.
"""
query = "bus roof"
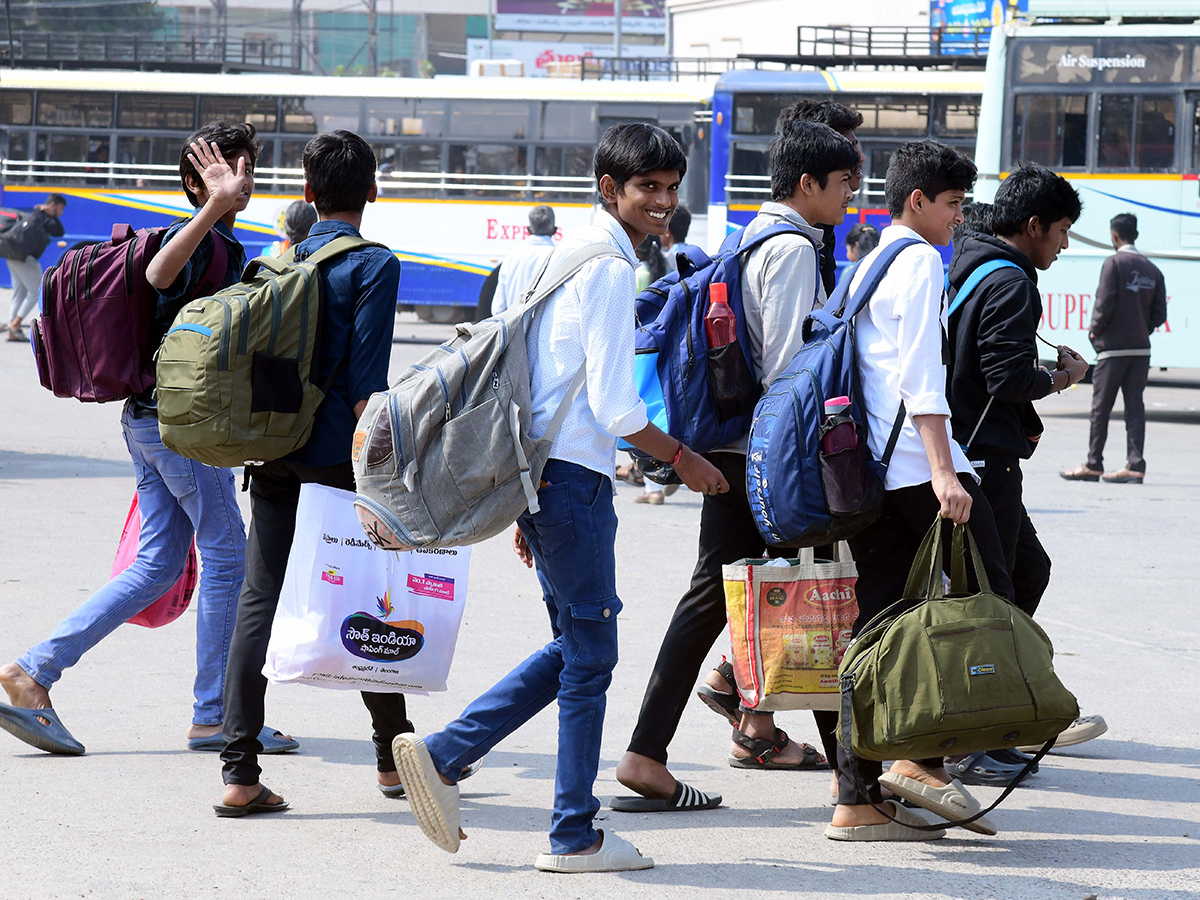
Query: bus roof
(442, 87)
(850, 81)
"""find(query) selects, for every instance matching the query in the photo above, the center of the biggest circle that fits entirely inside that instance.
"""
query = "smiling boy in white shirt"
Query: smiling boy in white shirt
(900, 339)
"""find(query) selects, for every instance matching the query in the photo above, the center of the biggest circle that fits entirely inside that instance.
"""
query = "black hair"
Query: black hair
(299, 218)
(541, 221)
(1125, 226)
(680, 222)
(649, 251)
(837, 116)
(977, 217)
(340, 168)
(1033, 190)
(807, 148)
(925, 166)
(633, 149)
(62, 201)
(230, 139)
(864, 237)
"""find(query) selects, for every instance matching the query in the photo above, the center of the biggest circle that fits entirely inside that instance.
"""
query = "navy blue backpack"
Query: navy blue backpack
(703, 396)
(801, 497)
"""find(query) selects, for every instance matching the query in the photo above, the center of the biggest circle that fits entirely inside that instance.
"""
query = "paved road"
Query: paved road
(1117, 818)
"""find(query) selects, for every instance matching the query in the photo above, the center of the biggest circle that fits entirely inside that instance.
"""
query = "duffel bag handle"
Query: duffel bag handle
(958, 563)
(925, 576)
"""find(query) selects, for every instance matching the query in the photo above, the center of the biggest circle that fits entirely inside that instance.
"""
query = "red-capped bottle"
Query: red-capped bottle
(720, 324)
(838, 436)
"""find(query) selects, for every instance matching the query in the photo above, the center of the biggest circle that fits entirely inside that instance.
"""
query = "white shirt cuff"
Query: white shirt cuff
(930, 403)
(629, 423)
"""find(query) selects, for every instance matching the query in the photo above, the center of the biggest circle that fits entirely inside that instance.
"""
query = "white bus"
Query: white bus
(1114, 108)
(462, 160)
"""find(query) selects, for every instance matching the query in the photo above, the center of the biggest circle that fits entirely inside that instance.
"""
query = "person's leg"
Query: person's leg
(389, 717)
(727, 534)
(1106, 379)
(274, 493)
(162, 552)
(26, 282)
(1001, 482)
(1031, 574)
(1133, 389)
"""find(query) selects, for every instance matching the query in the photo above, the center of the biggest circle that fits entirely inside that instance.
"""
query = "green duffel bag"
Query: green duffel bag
(953, 674)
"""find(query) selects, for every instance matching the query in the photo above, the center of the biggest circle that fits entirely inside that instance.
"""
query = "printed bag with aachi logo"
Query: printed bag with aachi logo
(789, 624)
(352, 616)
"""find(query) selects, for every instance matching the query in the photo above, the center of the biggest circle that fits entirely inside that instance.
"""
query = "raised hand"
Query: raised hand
(223, 184)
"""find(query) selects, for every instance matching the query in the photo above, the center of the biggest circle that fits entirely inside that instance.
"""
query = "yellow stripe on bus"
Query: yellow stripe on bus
(1113, 176)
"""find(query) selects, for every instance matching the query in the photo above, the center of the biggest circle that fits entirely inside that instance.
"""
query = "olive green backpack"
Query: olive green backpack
(234, 371)
(953, 674)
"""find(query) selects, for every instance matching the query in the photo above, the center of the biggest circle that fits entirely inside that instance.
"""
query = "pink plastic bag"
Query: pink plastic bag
(173, 603)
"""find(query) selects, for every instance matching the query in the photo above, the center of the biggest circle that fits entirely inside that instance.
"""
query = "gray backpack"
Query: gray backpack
(444, 458)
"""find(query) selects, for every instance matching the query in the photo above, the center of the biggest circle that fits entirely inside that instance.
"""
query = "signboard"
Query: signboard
(963, 26)
(536, 55)
(582, 16)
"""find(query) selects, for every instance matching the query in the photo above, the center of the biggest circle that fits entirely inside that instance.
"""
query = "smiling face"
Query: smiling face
(645, 203)
(934, 219)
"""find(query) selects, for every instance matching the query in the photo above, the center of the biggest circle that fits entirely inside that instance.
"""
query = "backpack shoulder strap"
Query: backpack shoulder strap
(279, 264)
(769, 232)
(214, 274)
(866, 289)
(977, 275)
(548, 281)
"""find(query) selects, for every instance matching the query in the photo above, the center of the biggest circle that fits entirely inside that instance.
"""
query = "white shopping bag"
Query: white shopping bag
(352, 616)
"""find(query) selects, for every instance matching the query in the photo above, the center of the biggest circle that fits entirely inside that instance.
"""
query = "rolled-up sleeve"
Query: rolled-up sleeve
(920, 337)
(605, 294)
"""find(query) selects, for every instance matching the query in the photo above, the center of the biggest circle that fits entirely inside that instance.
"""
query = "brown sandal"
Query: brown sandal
(764, 750)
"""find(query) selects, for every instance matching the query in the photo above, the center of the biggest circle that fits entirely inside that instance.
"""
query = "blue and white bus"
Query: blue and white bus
(461, 159)
(1114, 108)
(896, 106)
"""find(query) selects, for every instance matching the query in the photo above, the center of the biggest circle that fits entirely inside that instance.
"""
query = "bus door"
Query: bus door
(1189, 205)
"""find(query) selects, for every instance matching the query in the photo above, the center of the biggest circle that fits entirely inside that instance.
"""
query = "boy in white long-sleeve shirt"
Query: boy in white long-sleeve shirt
(900, 339)
(571, 539)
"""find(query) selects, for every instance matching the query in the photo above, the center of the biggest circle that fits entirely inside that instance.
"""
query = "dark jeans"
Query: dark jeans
(1027, 561)
(727, 534)
(884, 553)
(1127, 374)
(274, 494)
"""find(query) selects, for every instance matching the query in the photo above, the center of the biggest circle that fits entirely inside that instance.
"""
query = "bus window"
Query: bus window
(509, 121)
(1195, 167)
(487, 159)
(893, 115)
(1050, 129)
(569, 121)
(261, 112)
(1136, 132)
(758, 113)
(74, 109)
(18, 145)
(956, 115)
(160, 151)
(313, 114)
(574, 162)
(16, 107)
(175, 111)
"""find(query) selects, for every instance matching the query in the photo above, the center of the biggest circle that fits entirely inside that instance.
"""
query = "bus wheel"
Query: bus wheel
(443, 315)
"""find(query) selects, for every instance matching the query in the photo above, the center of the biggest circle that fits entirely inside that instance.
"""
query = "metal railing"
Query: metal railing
(654, 68)
(82, 49)
(432, 184)
(858, 42)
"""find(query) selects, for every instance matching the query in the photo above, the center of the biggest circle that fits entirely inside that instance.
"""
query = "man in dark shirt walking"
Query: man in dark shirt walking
(1131, 302)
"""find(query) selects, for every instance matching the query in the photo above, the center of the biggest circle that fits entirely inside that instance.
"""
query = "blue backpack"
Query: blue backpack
(801, 497)
(703, 396)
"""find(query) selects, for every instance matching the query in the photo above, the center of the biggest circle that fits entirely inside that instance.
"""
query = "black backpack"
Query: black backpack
(22, 234)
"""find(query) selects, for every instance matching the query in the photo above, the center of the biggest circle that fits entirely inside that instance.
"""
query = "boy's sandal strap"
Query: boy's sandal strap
(762, 750)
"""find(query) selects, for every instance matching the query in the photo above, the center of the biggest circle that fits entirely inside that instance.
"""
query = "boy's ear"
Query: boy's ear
(195, 184)
(373, 193)
(310, 196)
(807, 184)
(916, 200)
(1034, 227)
(609, 189)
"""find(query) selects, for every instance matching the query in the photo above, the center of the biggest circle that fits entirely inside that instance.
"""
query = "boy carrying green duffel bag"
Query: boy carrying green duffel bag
(953, 674)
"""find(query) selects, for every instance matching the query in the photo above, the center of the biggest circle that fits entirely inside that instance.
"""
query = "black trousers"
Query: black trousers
(1128, 374)
(727, 534)
(884, 553)
(1027, 561)
(274, 495)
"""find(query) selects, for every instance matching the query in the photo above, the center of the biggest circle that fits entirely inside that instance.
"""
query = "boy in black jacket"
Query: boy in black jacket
(995, 378)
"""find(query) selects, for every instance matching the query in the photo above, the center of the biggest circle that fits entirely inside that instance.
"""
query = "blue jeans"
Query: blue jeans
(178, 498)
(572, 538)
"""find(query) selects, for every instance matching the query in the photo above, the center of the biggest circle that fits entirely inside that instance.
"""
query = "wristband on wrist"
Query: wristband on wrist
(678, 454)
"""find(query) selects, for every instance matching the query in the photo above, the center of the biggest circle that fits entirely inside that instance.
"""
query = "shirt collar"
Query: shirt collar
(1128, 248)
(609, 223)
(219, 227)
(771, 208)
(895, 232)
(332, 226)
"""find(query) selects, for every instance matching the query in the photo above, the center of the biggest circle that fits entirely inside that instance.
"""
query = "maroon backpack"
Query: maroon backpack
(92, 339)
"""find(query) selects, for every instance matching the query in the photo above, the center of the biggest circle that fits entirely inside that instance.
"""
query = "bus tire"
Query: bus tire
(444, 315)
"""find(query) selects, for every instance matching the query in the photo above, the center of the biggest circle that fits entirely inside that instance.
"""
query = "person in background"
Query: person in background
(675, 240)
(521, 267)
(861, 240)
(1131, 302)
(35, 228)
(297, 221)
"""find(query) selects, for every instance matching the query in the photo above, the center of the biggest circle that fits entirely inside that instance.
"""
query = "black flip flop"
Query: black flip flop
(258, 805)
(685, 799)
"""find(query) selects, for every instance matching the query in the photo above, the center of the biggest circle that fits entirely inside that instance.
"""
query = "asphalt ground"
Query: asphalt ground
(1115, 818)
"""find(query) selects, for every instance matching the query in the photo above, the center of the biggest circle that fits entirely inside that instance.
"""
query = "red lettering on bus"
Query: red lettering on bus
(491, 231)
(1068, 308)
(1084, 317)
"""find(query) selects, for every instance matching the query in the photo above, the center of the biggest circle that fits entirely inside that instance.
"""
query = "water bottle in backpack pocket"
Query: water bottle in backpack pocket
(731, 383)
(846, 463)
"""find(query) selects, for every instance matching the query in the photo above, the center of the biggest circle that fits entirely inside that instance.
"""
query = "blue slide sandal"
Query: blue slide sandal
(269, 737)
(50, 735)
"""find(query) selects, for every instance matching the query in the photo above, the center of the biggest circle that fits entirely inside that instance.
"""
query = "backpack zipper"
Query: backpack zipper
(687, 295)
(397, 441)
